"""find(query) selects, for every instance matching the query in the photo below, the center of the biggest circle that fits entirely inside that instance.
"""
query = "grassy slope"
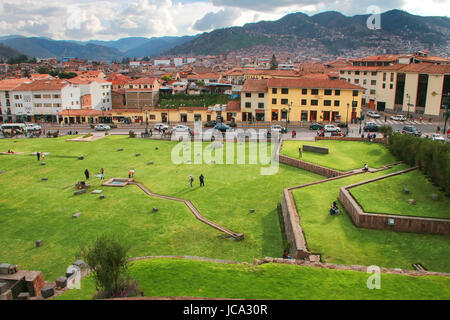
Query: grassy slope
(170, 277)
(32, 209)
(339, 241)
(343, 155)
(386, 196)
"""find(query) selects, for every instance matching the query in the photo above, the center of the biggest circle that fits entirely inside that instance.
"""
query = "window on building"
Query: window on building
(391, 86)
(37, 96)
(365, 73)
(284, 101)
(327, 103)
(304, 91)
(304, 102)
(392, 77)
(384, 76)
(274, 90)
(337, 92)
(47, 96)
(314, 91)
(274, 101)
(38, 105)
(372, 91)
(274, 115)
(337, 103)
(356, 80)
(285, 91)
(314, 102)
(248, 94)
(152, 117)
(355, 93)
(304, 115)
(248, 104)
(342, 72)
(364, 81)
(384, 86)
(373, 82)
(261, 95)
(374, 73)
(261, 105)
(328, 92)
(357, 73)
(354, 104)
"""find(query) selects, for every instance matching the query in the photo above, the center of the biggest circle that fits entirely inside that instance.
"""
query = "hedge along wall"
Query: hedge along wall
(432, 157)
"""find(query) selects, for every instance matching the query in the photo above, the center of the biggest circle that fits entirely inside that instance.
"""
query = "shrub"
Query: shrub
(87, 135)
(132, 134)
(107, 259)
(106, 133)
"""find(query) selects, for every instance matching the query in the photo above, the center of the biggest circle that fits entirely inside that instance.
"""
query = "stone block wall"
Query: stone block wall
(323, 171)
(381, 221)
(294, 233)
(377, 140)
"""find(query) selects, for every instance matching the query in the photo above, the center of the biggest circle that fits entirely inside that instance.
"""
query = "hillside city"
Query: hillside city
(260, 173)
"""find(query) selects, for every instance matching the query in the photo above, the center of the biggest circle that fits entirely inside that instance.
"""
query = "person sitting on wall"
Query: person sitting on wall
(286, 255)
(366, 167)
(334, 209)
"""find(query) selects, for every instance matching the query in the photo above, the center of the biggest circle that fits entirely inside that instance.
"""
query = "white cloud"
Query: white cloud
(113, 19)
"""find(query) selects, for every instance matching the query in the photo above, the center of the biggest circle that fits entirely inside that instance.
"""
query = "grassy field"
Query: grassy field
(343, 155)
(386, 196)
(175, 101)
(339, 241)
(31, 209)
(187, 278)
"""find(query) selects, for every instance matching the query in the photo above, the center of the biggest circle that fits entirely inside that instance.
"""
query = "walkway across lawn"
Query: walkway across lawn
(343, 155)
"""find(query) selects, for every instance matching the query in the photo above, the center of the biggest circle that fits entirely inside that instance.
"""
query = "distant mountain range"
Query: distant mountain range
(93, 49)
(7, 52)
(330, 32)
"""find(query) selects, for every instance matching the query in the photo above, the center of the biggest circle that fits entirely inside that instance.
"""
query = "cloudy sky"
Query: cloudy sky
(114, 19)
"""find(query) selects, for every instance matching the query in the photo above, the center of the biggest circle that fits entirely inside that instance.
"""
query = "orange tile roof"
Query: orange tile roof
(144, 80)
(312, 84)
(42, 85)
(253, 85)
(234, 105)
(10, 84)
(204, 76)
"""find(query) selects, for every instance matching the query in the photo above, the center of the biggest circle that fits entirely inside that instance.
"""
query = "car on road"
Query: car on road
(437, 137)
(398, 117)
(181, 129)
(278, 129)
(33, 127)
(411, 130)
(210, 124)
(315, 126)
(102, 127)
(371, 127)
(373, 114)
(331, 128)
(222, 127)
(161, 126)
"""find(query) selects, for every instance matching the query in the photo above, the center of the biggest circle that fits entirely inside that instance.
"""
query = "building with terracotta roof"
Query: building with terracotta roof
(142, 93)
(6, 107)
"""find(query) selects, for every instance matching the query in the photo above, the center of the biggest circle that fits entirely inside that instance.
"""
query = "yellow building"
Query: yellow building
(313, 99)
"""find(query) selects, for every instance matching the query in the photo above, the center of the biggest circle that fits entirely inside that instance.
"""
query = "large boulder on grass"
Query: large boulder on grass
(412, 201)
(405, 191)
(434, 197)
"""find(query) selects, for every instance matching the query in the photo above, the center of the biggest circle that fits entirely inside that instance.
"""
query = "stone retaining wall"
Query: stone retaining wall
(377, 140)
(323, 171)
(381, 221)
(294, 233)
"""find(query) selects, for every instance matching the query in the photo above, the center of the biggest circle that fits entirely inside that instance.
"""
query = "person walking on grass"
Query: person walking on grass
(191, 180)
(38, 155)
(202, 180)
(86, 173)
(102, 174)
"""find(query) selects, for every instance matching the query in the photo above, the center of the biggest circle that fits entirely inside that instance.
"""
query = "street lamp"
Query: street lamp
(288, 111)
(348, 106)
(68, 115)
(409, 104)
(146, 122)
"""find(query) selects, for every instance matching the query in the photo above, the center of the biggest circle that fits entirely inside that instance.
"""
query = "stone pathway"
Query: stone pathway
(193, 209)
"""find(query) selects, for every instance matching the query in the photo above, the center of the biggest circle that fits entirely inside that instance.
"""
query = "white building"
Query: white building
(165, 62)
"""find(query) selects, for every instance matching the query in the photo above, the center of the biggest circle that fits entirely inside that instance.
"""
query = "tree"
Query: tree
(273, 63)
(44, 70)
(167, 78)
(107, 259)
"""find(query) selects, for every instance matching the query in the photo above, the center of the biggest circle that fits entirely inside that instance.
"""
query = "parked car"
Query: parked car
(222, 127)
(373, 114)
(102, 127)
(411, 130)
(437, 137)
(371, 127)
(398, 117)
(210, 124)
(161, 126)
(331, 128)
(315, 126)
(33, 127)
(277, 128)
(181, 129)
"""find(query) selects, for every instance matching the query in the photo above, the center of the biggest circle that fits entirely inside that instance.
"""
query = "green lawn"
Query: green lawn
(386, 196)
(187, 278)
(343, 155)
(339, 241)
(186, 100)
(31, 209)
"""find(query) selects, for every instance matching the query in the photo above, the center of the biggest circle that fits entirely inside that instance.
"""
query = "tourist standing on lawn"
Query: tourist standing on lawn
(191, 180)
(202, 180)
(38, 155)
(102, 174)
(86, 173)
